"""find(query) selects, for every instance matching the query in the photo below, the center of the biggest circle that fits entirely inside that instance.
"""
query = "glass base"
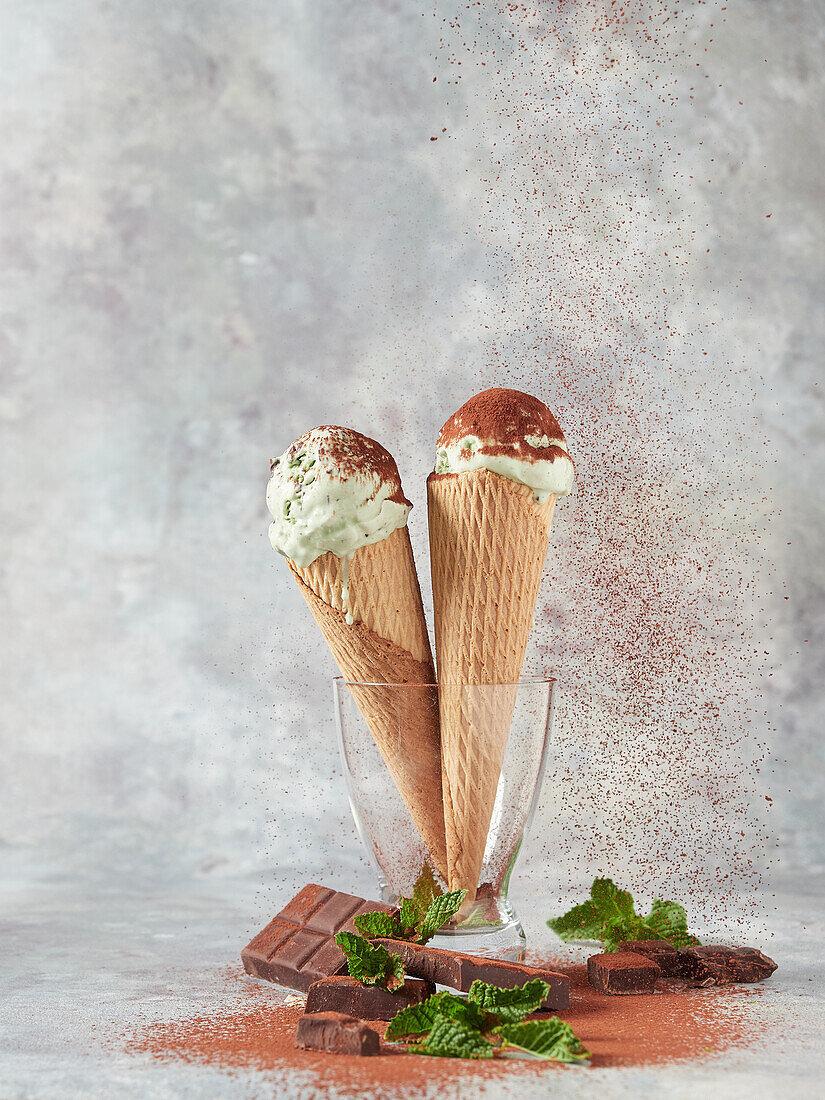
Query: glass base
(504, 941)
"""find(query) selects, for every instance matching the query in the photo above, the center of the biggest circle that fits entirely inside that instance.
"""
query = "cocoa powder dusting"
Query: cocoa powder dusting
(655, 613)
(508, 417)
(354, 454)
(257, 1033)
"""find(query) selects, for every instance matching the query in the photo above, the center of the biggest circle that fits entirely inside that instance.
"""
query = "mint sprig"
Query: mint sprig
(551, 1039)
(509, 1005)
(371, 964)
(486, 1024)
(416, 922)
(609, 916)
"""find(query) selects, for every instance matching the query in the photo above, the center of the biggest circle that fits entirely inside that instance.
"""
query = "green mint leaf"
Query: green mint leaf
(466, 1012)
(426, 889)
(544, 1039)
(419, 1019)
(582, 922)
(453, 1039)
(410, 915)
(439, 912)
(394, 976)
(415, 1019)
(378, 924)
(509, 1005)
(609, 916)
(616, 905)
(371, 963)
(667, 920)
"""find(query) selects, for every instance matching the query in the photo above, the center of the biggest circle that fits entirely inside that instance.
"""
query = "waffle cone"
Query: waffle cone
(387, 644)
(488, 541)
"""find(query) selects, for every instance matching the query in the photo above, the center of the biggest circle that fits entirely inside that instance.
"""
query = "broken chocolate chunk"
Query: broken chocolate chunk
(298, 945)
(459, 971)
(664, 954)
(341, 993)
(336, 1033)
(622, 973)
(714, 964)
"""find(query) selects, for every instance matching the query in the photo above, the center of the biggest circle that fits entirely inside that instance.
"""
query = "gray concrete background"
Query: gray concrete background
(224, 223)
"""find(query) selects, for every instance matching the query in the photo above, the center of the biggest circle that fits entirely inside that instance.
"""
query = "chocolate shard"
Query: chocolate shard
(298, 945)
(622, 972)
(664, 954)
(459, 971)
(341, 993)
(714, 964)
(428, 963)
(336, 1033)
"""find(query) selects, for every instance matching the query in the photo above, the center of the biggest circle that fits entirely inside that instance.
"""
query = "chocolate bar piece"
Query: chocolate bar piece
(298, 945)
(368, 1002)
(459, 971)
(717, 965)
(664, 954)
(336, 1033)
(622, 973)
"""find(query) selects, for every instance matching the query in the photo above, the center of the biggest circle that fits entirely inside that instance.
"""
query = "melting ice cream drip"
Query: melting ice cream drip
(345, 590)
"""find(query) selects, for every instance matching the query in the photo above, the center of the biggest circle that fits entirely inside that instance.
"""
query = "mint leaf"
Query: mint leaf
(371, 963)
(394, 976)
(439, 912)
(509, 1005)
(411, 914)
(582, 922)
(453, 1039)
(614, 904)
(415, 1019)
(371, 925)
(609, 917)
(667, 920)
(545, 1039)
(426, 889)
(419, 1019)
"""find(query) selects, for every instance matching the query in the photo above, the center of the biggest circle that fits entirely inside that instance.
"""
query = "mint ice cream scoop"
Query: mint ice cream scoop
(512, 434)
(333, 491)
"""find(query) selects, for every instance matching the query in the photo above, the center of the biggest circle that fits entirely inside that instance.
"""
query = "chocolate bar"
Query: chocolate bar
(298, 945)
(341, 993)
(717, 965)
(459, 971)
(622, 972)
(664, 954)
(336, 1033)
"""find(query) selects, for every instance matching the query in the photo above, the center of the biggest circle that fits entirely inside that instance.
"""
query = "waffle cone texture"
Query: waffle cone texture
(387, 644)
(488, 542)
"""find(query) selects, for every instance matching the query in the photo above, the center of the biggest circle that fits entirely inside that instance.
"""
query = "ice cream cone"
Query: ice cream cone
(488, 541)
(386, 643)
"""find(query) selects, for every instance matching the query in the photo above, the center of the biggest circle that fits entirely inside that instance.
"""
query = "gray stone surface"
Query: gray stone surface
(222, 223)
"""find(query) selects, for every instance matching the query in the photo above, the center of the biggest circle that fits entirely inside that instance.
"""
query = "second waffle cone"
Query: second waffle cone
(488, 542)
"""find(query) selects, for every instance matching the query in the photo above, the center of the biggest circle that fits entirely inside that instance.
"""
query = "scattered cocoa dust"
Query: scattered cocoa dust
(257, 1033)
(601, 299)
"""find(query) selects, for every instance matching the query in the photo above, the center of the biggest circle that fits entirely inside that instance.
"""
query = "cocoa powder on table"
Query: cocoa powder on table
(258, 1033)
